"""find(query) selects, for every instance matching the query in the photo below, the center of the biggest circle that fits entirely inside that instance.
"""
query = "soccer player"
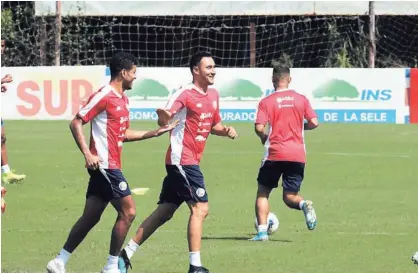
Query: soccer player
(7, 175)
(197, 108)
(285, 111)
(108, 112)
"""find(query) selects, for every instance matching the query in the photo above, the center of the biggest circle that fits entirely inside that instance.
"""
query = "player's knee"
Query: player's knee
(166, 216)
(291, 199)
(129, 215)
(3, 139)
(201, 211)
(90, 220)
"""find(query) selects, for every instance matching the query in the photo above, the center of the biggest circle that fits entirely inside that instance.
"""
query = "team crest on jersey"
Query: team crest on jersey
(123, 186)
(200, 192)
(215, 104)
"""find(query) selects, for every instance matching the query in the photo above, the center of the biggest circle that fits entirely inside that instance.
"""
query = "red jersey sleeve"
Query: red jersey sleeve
(95, 105)
(309, 112)
(177, 102)
(217, 117)
(262, 115)
(128, 122)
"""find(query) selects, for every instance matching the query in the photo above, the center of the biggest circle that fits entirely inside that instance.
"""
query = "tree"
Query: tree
(240, 89)
(336, 89)
(148, 88)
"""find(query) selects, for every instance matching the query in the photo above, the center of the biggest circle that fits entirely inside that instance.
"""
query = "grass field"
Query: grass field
(362, 178)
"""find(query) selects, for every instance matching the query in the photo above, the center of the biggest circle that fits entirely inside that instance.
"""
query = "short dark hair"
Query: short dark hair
(120, 61)
(280, 71)
(196, 58)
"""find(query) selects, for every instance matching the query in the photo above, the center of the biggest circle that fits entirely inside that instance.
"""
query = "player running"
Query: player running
(285, 111)
(197, 108)
(108, 112)
(7, 175)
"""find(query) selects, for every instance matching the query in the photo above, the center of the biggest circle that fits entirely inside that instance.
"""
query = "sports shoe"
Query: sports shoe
(261, 236)
(415, 258)
(11, 177)
(55, 266)
(198, 269)
(310, 215)
(124, 262)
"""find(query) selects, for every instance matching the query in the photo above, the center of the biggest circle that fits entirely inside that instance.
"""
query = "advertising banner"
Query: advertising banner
(337, 95)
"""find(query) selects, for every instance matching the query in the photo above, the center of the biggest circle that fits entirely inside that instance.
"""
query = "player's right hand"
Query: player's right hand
(7, 79)
(92, 161)
(3, 88)
(164, 116)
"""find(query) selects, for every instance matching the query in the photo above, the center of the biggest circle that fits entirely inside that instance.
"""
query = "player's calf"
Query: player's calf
(292, 199)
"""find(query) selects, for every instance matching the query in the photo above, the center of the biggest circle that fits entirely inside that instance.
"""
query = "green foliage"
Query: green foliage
(148, 88)
(241, 89)
(7, 28)
(284, 60)
(336, 89)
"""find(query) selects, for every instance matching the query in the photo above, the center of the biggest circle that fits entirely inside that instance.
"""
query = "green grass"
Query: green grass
(362, 178)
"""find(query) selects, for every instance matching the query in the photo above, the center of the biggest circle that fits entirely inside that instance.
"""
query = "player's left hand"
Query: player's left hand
(167, 128)
(232, 134)
(3, 88)
(7, 79)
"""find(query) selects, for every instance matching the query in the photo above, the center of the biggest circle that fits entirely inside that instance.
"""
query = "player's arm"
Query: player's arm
(76, 127)
(310, 116)
(311, 124)
(261, 121)
(95, 106)
(260, 131)
(136, 135)
(174, 105)
(221, 130)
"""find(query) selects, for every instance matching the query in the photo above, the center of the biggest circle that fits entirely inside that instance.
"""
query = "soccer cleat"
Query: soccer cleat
(55, 266)
(261, 236)
(415, 258)
(310, 215)
(11, 177)
(198, 269)
(124, 262)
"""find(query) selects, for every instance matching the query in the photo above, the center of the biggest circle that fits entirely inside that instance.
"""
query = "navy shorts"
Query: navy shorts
(291, 172)
(183, 183)
(108, 184)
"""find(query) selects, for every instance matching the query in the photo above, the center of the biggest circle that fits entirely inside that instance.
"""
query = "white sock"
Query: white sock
(63, 256)
(131, 248)
(194, 258)
(5, 168)
(112, 262)
(301, 203)
(262, 228)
